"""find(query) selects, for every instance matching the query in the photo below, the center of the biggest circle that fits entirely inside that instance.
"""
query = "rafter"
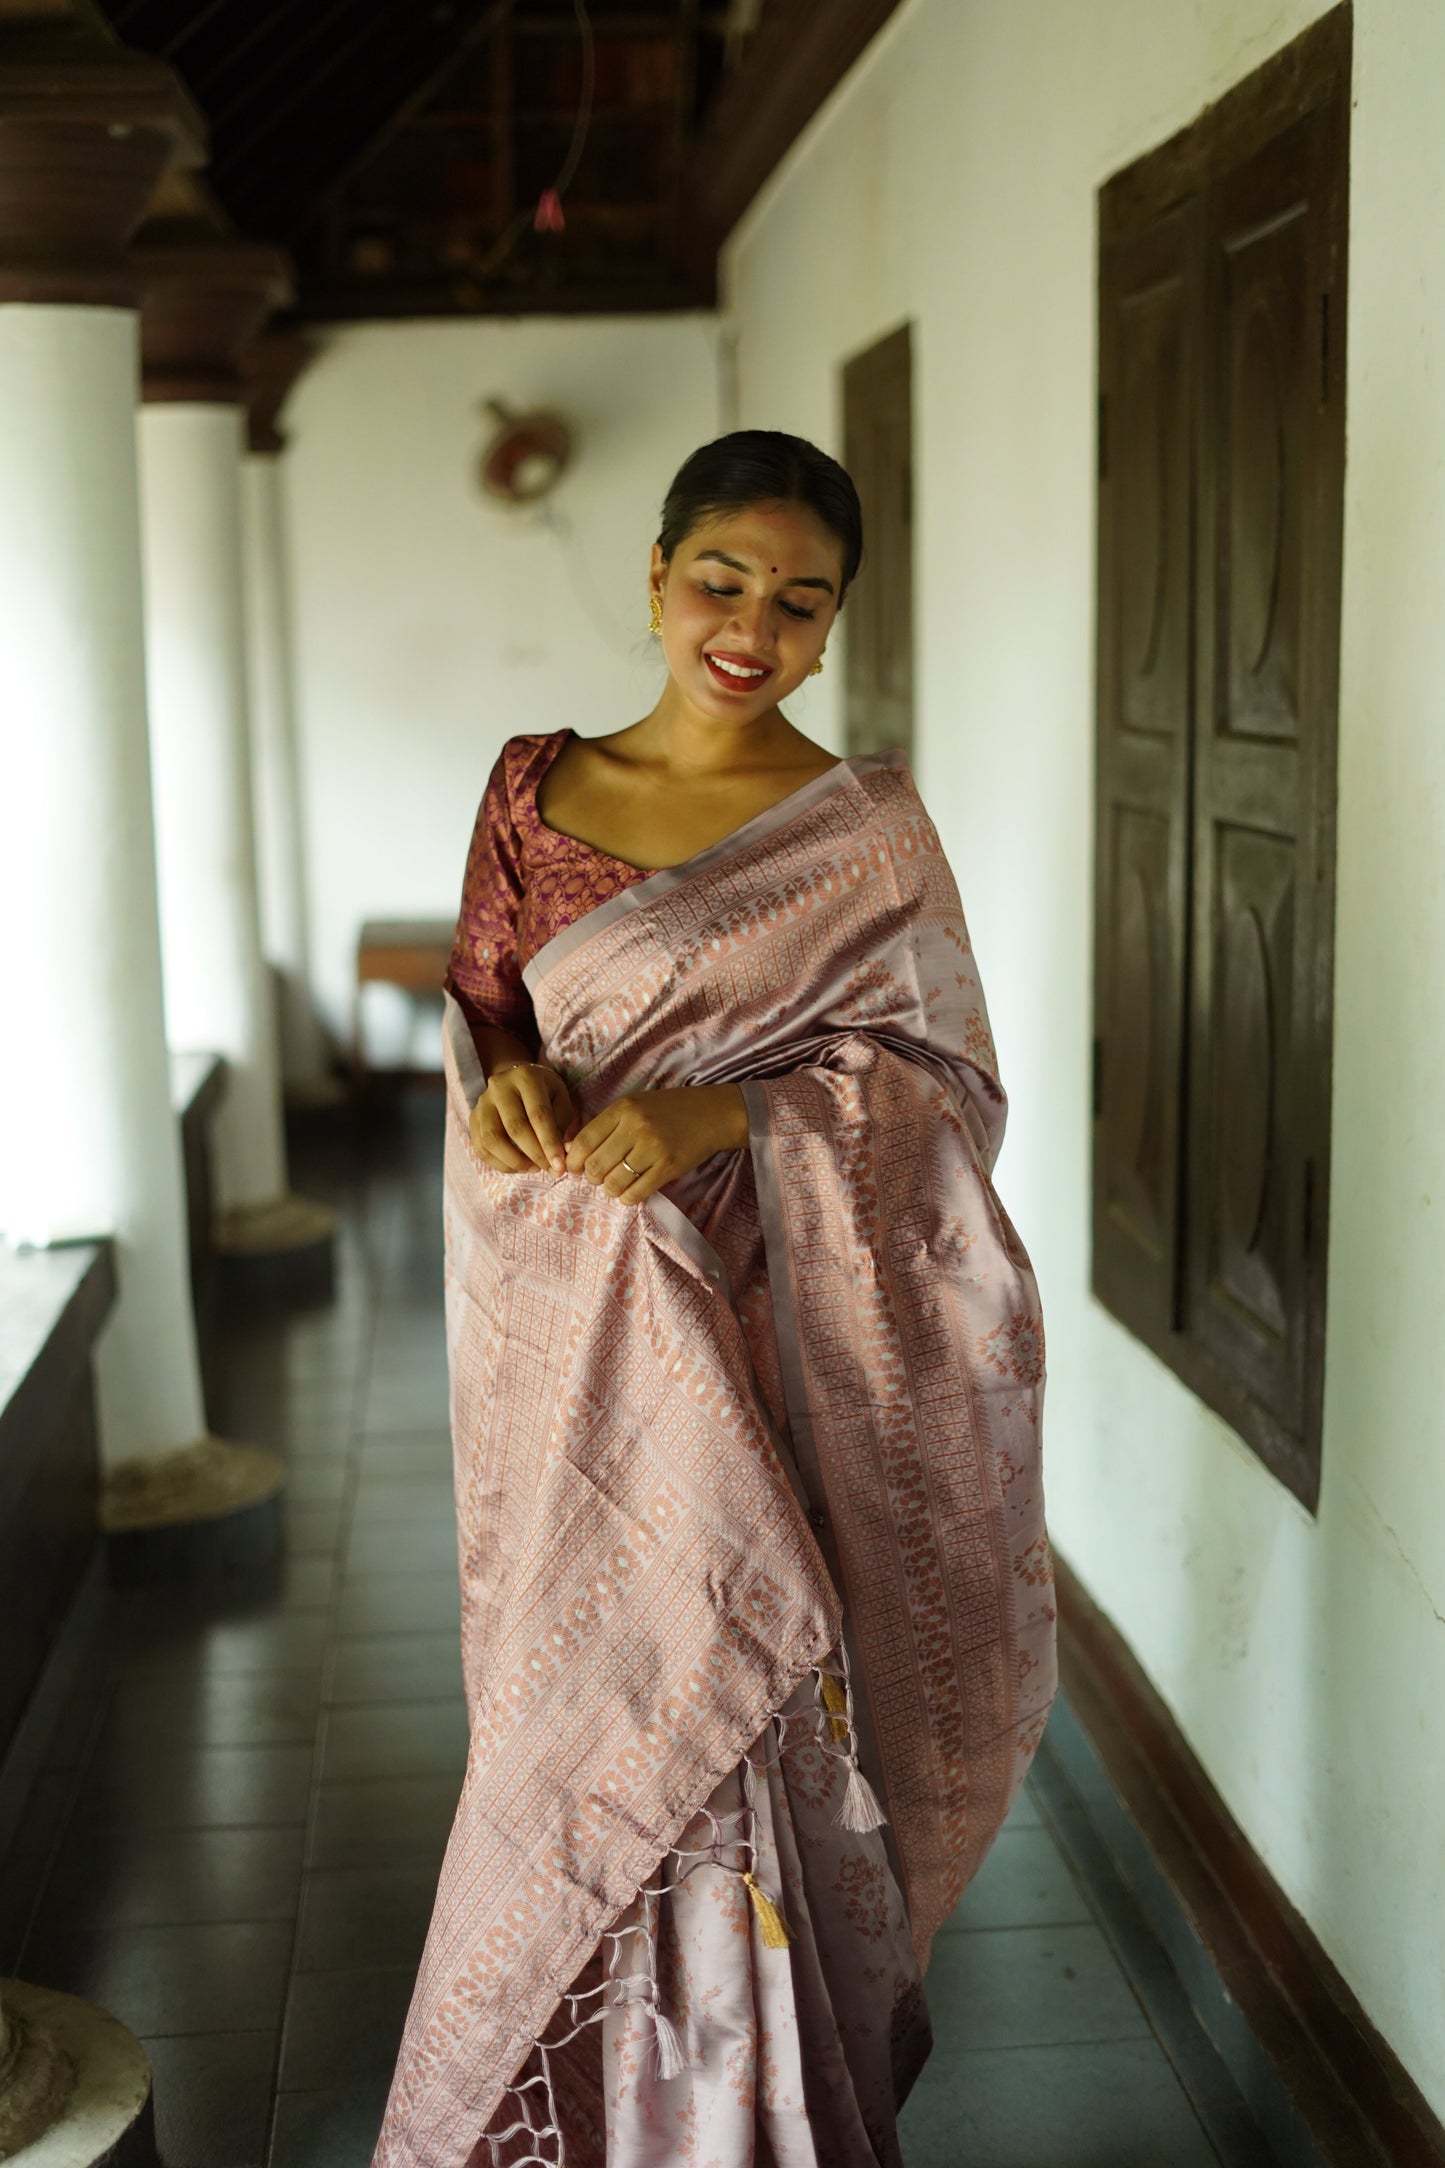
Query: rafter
(795, 57)
(495, 20)
(332, 133)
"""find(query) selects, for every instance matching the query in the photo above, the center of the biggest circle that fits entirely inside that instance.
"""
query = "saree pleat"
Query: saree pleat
(782, 1419)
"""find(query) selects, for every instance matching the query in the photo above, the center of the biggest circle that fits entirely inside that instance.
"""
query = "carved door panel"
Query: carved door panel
(878, 621)
(1148, 305)
(1264, 761)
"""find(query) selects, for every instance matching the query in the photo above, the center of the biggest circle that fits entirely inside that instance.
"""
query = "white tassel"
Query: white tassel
(860, 1809)
(671, 2054)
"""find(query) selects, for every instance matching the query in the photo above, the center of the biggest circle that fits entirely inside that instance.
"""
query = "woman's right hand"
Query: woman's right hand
(523, 1119)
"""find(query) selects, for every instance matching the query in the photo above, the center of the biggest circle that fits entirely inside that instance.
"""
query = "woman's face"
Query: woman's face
(747, 603)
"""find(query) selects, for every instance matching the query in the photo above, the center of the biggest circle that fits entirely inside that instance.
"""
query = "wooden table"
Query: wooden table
(411, 953)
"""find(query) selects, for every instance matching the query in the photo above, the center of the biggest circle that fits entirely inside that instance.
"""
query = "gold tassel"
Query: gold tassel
(775, 1930)
(835, 1701)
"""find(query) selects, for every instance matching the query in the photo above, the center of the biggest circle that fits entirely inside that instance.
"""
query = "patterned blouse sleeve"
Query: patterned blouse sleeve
(485, 972)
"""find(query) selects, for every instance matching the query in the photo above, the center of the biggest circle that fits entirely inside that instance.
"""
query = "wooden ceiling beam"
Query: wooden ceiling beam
(799, 53)
(504, 141)
(196, 21)
(711, 21)
(486, 26)
(307, 96)
(536, 116)
(294, 70)
(274, 181)
(284, 54)
(684, 96)
(339, 301)
(680, 134)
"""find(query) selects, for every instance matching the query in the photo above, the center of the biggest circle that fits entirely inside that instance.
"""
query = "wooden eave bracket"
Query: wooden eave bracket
(60, 63)
(206, 297)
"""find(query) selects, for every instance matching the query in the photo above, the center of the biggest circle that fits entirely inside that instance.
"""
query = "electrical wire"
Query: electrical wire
(483, 267)
(584, 103)
(579, 578)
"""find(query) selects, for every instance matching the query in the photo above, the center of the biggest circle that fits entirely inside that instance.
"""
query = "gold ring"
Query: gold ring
(627, 1163)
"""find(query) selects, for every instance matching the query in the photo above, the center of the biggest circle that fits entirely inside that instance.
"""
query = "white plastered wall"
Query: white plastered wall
(952, 180)
(432, 624)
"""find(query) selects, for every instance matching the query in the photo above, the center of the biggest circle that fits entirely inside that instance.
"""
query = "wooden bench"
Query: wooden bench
(53, 1304)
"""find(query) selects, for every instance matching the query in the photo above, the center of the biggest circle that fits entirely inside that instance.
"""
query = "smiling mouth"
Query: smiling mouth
(736, 676)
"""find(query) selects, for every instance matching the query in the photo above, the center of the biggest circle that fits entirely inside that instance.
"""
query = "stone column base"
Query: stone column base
(208, 1508)
(319, 1094)
(75, 2086)
(282, 1250)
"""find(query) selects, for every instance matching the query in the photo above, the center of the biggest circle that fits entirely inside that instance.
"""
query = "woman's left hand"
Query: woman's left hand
(647, 1138)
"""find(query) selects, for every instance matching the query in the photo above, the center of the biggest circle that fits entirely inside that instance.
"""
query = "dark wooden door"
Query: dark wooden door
(878, 617)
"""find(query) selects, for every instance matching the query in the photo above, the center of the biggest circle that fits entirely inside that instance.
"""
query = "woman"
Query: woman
(746, 1373)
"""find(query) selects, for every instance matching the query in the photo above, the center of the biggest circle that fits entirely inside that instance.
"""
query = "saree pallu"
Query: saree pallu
(784, 1413)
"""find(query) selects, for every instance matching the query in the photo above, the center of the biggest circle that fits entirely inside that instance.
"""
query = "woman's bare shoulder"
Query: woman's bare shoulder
(583, 775)
(603, 749)
(606, 772)
(811, 759)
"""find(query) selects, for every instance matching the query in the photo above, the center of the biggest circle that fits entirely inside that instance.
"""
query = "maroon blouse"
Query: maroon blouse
(524, 882)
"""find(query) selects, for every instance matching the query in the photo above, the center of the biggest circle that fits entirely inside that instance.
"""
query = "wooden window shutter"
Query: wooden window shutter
(1148, 307)
(1221, 314)
(878, 619)
(1264, 797)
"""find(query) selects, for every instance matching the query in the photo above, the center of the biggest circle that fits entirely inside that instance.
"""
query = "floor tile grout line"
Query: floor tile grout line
(392, 1776)
(1225, 2118)
(77, 1772)
(330, 1655)
(1065, 2046)
(313, 1794)
(167, 1832)
(59, 1928)
(1031, 1927)
(326, 1671)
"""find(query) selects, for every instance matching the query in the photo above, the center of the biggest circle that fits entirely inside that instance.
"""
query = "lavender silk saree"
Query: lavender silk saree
(720, 1458)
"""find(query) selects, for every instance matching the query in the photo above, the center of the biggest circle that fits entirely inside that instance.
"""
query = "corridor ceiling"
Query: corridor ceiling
(400, 148)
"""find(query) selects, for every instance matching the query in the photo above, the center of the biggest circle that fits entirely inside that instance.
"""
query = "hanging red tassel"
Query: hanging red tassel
(549, 217)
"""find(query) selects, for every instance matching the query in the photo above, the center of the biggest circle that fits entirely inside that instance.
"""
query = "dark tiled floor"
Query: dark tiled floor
(236, 1840)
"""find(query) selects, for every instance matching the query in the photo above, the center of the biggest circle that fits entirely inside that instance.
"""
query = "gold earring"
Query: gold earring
(655, 619)
(817, 669)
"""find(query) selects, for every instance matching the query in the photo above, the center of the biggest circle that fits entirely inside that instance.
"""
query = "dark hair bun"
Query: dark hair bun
(763, 466)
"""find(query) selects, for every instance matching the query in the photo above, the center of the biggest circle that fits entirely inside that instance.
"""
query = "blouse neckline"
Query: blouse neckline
(641, 892)
(560, 835)
(646, 872)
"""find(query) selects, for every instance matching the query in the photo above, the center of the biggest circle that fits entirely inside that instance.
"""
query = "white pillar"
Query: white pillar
(88, 1140)
(216, 990)
(280, 846)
